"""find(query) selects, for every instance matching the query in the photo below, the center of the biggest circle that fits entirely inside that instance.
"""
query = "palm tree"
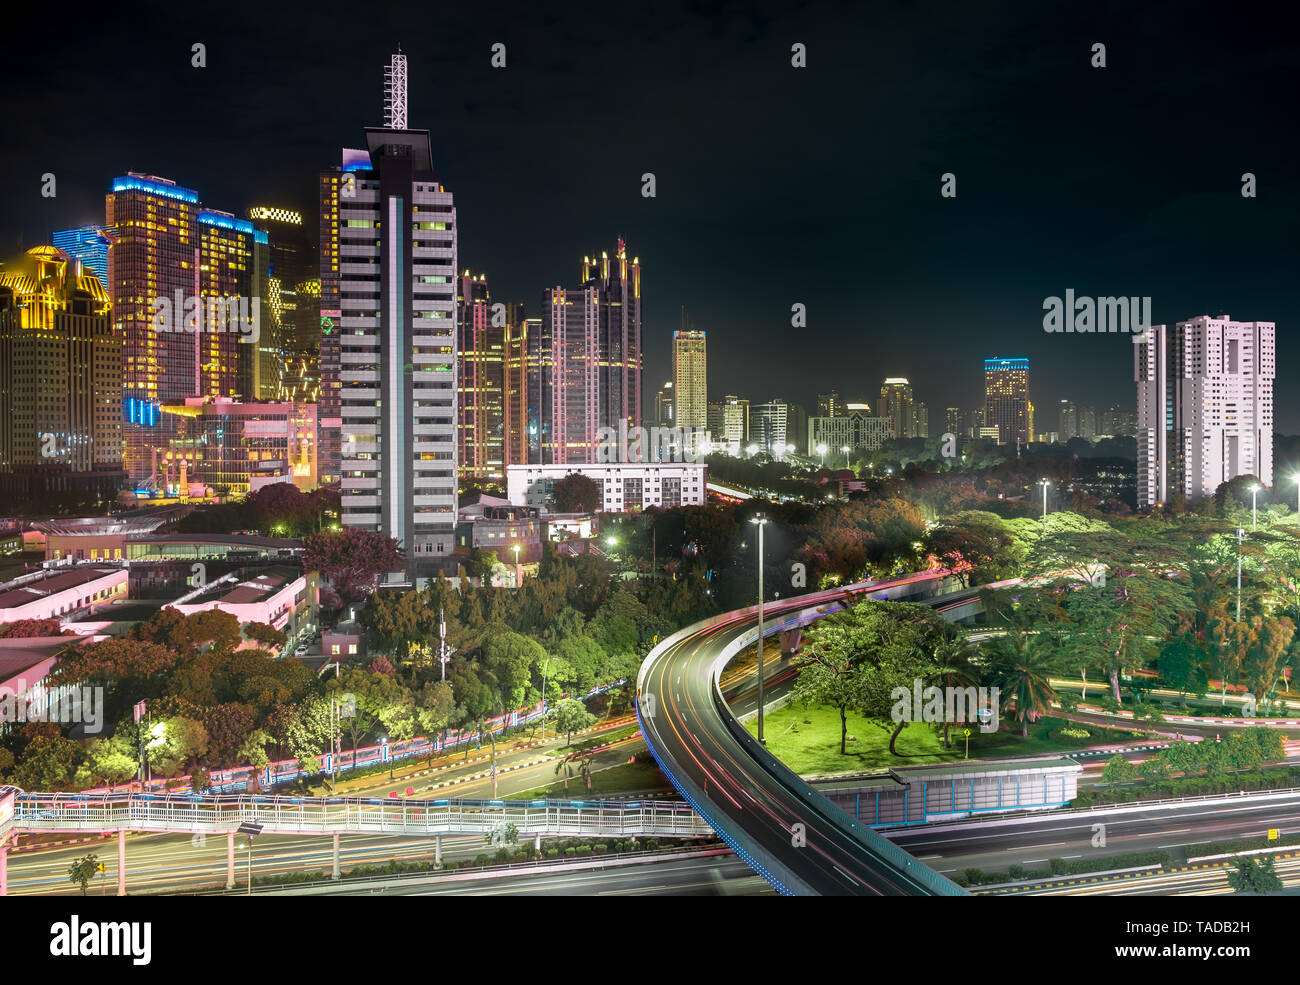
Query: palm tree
(953, 669)
(1022, 667)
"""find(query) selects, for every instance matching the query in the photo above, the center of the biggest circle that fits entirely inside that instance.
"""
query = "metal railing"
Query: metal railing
(38, 812)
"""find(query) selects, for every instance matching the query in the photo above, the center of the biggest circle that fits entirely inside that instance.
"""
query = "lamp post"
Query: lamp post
(545, 667)
(761, 522)
(1296, 479)
(846, 449)
(518, 574)
(821, 450)
(1254, 508)
(1240, 533)
(1045, 485)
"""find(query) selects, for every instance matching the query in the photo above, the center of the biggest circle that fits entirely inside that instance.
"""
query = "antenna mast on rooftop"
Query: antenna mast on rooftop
(395, 92)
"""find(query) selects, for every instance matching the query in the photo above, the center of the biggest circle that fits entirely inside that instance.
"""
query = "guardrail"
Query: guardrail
(191, 813)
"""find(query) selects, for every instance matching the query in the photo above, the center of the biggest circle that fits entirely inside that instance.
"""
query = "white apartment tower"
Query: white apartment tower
(1204, 406)
(397, 291)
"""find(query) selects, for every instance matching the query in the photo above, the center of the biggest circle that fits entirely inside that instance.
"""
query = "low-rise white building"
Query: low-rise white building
(60, 593)
(625, 486)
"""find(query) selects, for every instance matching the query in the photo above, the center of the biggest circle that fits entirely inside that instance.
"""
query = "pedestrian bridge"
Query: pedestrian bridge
(192, 813)
(187, 813)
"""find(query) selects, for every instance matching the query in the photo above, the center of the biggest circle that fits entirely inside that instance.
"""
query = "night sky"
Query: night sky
(775, 185)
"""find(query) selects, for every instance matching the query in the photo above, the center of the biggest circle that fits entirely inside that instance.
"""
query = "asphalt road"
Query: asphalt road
(775, 822)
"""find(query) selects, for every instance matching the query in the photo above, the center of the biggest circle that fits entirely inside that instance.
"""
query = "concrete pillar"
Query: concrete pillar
(437, 849)
(230, 859)
(336, 873)
(4, 870)
(537, 841)
(121, 862)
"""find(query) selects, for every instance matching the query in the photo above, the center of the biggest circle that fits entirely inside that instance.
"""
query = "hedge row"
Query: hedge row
(1063, 867)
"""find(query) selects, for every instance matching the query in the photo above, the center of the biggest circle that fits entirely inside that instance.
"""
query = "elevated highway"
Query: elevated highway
(785, 830)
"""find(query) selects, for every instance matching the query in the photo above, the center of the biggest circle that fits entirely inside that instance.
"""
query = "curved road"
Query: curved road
(787, 832)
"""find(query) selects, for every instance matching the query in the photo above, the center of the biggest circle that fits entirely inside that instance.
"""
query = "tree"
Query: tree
(108, 761)
(47, 764)
(183, 741)
(576, 493)
(1118, 770)
(510, 659)
(1180, 665)
(351, 559)
(1022, 665)
(1251, 875)
(571, 717)
(859, 658)
(832, 674)
(83, 870)
(953, 669)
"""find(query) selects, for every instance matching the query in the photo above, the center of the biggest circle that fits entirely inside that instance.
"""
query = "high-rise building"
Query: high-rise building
(60, 380)
(336, 185)
(585, 362)
(1204, 406)
(517, 424)
(1087, 422)
(169, 248)
(1006, 398)
(796, 428)
(690, 388)
(829, 405)
(90, 245)
(480, 380)
(716, 422)
(735, 424)
(664, 405)
(294, 308)
(1119, 422)
(234, 262)
(896, 403)
(952, 418)
(397, 250)
(768, 427)
(1069, 420)
(922, 426)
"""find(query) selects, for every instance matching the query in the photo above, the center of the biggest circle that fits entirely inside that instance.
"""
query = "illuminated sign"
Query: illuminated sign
(141, 412)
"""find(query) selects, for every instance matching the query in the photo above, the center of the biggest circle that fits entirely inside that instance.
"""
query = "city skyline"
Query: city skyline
(936, 279)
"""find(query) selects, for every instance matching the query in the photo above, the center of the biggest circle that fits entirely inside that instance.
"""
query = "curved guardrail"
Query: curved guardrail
(792, 613)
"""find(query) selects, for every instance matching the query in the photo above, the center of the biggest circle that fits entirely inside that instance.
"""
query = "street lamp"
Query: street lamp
(821, 450)
(518, 579)
(760, 521)
(1296, 479)
(1240, 534)
(1254, 507)
(1045, 483)
(751, 450)
(846, 449)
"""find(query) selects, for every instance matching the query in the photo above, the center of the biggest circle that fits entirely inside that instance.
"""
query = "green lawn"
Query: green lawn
(808, 741)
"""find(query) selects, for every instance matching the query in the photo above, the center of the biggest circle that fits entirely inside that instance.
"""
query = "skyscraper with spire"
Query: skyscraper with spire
(393, 246)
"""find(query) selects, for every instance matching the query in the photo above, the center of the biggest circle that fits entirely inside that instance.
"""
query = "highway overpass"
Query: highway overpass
(790, 834)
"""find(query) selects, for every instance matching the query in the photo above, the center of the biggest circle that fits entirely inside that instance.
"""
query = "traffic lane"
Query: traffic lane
(715, 876)
(155, 863)
(681, 682)
(979, 844)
